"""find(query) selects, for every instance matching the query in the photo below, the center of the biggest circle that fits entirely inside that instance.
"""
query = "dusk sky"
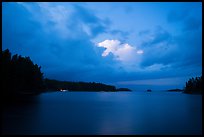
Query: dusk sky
(136, 45)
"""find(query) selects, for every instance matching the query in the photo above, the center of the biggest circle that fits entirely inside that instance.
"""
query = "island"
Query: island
(175, 90)
(123, 89)
(149, 90)
(56, 85)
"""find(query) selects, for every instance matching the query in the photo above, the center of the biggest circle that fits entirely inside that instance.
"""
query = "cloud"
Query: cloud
(143, 32)
(189, 40)
(54, 40)
(186, 18)
(121, 34)
(190, 43)
(122, 52)
(160, 81)
(159, 35)
(93, 24)
(159, 46)
(60, 38)
(176, 16)
(164, 51)
(157, 67)
(192, 23)
(110, 46)
(140, 52)
(57, 38)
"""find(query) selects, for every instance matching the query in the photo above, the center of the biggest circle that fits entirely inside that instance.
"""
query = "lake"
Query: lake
(102, 113)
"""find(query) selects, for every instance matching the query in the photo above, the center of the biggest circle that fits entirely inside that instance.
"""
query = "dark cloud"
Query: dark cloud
(189, 57)
(160, 35)
(144, 32)
(16, 23)
(192, 23)
(96, 25)
(119, 32)
(176, 51)
(61, 57)
(189, 21)
(122, 34)
(176, 16)
(158, 49)
(191, 48)
(65, 51)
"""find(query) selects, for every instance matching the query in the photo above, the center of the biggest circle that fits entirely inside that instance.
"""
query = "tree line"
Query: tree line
(21, 76)
(77, 86)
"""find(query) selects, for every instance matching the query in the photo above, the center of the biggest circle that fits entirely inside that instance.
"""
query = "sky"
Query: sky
(156, 45)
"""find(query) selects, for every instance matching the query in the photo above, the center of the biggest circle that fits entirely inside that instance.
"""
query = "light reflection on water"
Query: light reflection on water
(107, 113)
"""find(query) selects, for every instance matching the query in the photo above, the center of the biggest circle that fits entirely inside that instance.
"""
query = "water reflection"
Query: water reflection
(20, 115)
(106, 113)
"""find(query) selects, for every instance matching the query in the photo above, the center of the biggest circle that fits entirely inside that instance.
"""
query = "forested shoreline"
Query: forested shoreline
(21, 76)
(55, 85)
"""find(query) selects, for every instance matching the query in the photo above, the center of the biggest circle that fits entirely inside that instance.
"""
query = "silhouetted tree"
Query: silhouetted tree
(194, 85)
(20, 75)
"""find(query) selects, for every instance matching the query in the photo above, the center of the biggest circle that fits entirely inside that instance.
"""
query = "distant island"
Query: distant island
(55, 85)
(175, 90)
(123, 89)
(149, 90)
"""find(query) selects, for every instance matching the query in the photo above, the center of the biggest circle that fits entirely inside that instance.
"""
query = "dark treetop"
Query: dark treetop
(20, 75)
(194, 85)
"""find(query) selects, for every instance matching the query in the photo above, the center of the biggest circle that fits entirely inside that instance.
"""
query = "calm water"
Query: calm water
(106, 113)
